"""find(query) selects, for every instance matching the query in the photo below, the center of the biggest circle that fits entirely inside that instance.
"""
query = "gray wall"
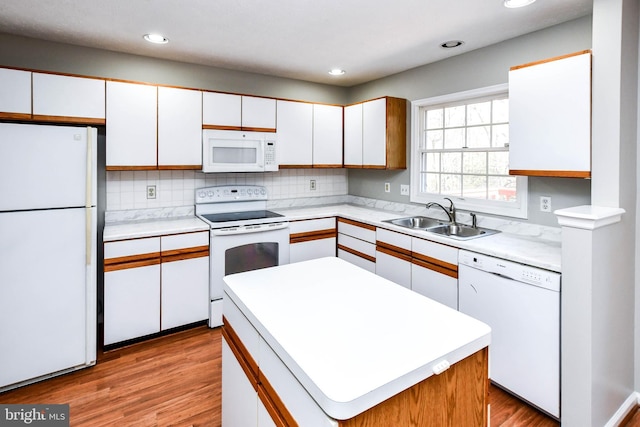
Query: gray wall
(480, 68)
(57, 57)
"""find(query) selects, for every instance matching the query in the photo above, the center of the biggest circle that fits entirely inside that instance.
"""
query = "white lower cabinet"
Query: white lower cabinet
(357, 243)
(434, 271)
(131, 303)
(239, 400)
(311, 239)
(393, 256)
(155, 284)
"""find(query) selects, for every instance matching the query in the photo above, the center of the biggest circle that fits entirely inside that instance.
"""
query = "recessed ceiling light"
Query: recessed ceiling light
(337, 72)
(451, 44)
(156, 38)
(517, 3)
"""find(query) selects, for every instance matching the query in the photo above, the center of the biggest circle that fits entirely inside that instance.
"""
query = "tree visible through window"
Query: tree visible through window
(463, 152)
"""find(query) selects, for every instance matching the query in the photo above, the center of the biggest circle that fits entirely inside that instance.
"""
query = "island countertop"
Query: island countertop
(351, 338)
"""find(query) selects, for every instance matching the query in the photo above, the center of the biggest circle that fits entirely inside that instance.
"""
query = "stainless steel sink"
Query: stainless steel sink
(462, 232)
(417, 222)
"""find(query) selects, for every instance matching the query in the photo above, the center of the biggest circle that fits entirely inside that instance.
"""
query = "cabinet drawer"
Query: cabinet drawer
(184, 241)
(356, 229)
(360, 246)
(447, 254)
(130, 250)
(309, 225)
(399, 240)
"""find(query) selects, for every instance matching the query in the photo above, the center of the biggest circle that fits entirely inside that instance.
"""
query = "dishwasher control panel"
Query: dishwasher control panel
(511, 270)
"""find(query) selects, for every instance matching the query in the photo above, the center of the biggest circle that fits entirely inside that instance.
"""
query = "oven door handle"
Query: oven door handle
(235, 231)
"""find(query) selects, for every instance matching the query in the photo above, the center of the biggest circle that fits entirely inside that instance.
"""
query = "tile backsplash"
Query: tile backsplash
(128, 189)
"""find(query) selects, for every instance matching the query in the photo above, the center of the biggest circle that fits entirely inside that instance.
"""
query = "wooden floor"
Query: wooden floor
(175, 381)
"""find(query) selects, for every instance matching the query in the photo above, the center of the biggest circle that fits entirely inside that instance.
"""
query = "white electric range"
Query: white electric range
(244, 235)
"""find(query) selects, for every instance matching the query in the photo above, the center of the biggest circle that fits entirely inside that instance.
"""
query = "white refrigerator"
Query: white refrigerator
(47, 251)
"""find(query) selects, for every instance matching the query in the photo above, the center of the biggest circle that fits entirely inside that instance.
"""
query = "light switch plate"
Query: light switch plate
(387, 187)
(404, 190)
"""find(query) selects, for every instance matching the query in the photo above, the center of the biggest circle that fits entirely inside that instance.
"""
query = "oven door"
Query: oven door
(238, 249)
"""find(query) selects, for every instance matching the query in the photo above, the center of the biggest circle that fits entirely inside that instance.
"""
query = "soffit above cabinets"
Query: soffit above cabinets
(297, 39)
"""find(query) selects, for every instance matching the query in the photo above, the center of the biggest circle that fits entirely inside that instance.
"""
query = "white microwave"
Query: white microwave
(238, 151)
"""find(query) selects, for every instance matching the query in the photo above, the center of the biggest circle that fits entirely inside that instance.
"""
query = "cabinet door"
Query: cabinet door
(185, 292)
(66, 96)
(435, 285)
(327, 135)
(179, 128)
(393, 256)
(312, 249)
(374, 133)
(15, 94)
(550, 118)
(131, 125)
(222, 110)
(259, 114)
(295, 133)
(239, 399)
(131, 303)
(353, 135)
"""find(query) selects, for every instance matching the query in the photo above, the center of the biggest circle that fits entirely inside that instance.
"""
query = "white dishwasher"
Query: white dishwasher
(521, 304)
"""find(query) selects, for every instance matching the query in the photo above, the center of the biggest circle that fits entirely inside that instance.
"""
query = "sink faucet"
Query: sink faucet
(451, 212)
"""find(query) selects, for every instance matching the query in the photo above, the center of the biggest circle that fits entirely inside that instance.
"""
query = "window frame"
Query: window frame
(509, 209)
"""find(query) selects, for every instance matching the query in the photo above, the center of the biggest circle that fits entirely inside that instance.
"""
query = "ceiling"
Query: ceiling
(300, 39)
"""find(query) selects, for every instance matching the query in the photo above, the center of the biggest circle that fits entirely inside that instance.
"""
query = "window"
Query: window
(460, 150)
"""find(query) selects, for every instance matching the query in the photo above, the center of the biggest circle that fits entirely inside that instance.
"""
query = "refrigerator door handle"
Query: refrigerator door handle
(89, 197)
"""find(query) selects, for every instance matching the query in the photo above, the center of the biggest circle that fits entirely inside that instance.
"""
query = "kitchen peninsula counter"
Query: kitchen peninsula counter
(355, 341)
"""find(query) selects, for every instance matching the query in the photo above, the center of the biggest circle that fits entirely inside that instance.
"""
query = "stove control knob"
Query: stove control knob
(263, 192)
(201, 194)
(210, 193)
(249, 191)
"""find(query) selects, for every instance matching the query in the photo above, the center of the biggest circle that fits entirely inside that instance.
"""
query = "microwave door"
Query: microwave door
(236, 156)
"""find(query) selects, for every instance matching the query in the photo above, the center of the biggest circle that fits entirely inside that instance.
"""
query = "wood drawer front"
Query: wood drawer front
(358, 230)
(309, 225)
(131, 250)
(360, 246)
(447, 254)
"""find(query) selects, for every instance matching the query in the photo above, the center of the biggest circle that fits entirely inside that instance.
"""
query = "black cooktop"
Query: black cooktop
(240, 216)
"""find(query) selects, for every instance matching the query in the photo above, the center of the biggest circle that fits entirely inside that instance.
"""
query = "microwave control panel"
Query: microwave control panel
(270, 161)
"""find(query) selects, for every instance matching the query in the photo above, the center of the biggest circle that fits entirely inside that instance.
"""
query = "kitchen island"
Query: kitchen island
(325, 343)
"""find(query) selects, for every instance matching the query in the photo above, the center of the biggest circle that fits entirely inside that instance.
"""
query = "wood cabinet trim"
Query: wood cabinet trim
(124, 265)
(548, 173)
(132, 258)
(183, 251)
(394, 251)
(66, 119)
(555, 58)
(357, 223)
(220, 127)
(184, 255)
(248, 364)
(396, 131)
(179, 167)
(309, 236)
(15, 116)
(357, 253)
(131, 168)
(274, 405)
(434, 264)
(295, 166)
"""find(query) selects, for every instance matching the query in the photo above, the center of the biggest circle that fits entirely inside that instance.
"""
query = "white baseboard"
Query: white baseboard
(629, 405)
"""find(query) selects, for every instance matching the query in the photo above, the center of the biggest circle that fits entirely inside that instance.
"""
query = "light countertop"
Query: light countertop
(351, 338)
(527, 249)
(150, 228)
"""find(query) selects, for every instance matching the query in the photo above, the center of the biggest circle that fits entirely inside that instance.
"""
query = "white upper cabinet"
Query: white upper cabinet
(375, 134)
(67, 96)
(259, 114)
(353, 135)
(236, 112)
(179, 128)
(327, 135)
(550, 117)
(295, 133)
(15, 93)
(132, 124)
(222, 110)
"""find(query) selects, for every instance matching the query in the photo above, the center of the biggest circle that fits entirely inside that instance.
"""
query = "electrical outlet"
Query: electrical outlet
(404, 190)
(545, 203)
(151, 191)
(387, 187)
(312, 185)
